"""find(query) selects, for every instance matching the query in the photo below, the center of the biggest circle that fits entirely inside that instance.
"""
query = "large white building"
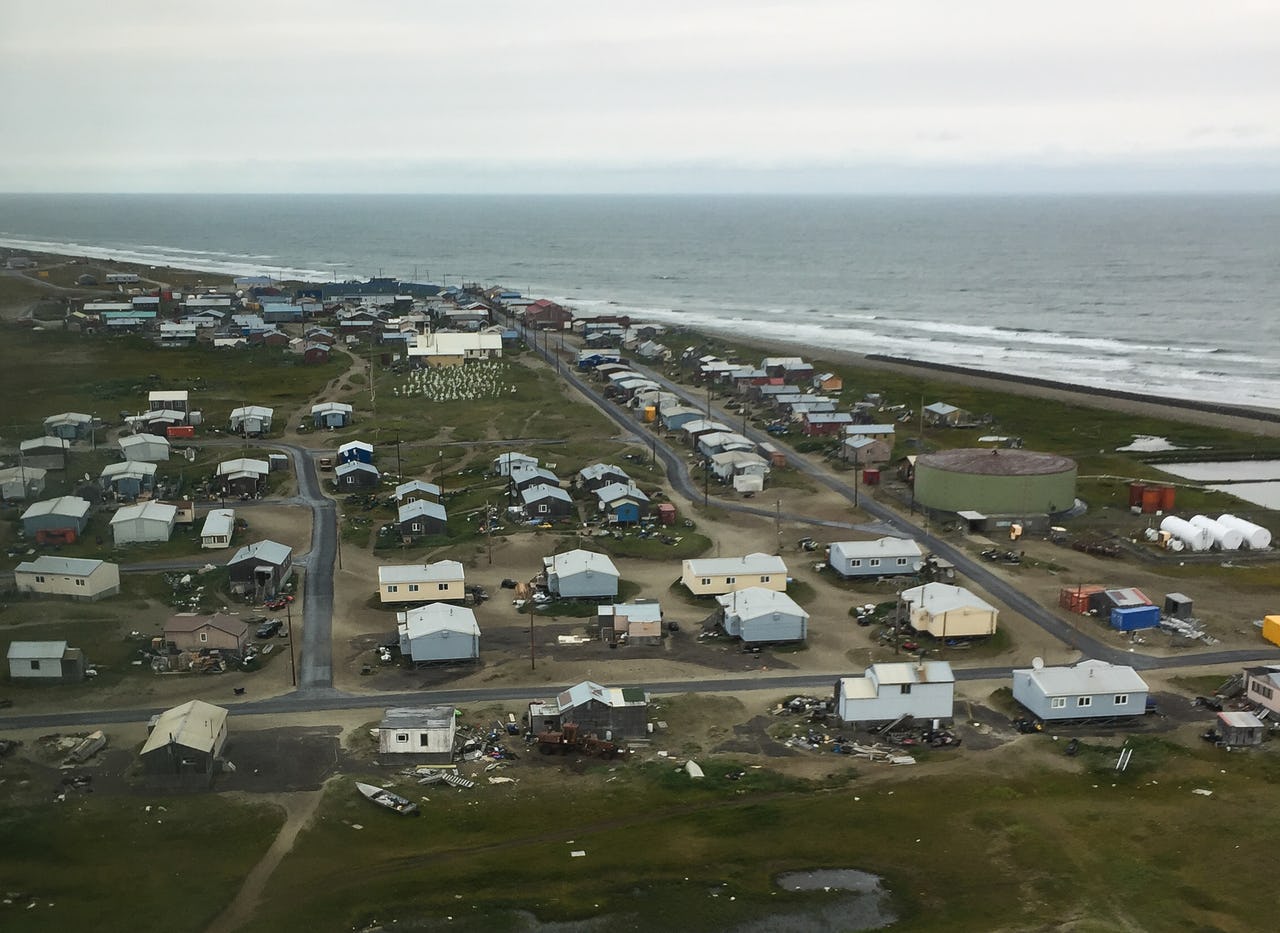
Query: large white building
(75, 577)
(438, 632)
(143, 523)
(922, 689)
(881, 557)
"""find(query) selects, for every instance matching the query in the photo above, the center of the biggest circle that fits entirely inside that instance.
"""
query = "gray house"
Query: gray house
(45, 662)
(128, 479)
(185, 744)
(331, 415)
(758, 615)
(420, 517)
(924, 690)
(543, 501)
(260, 569)
(56, 517)
(70, 425)
(21, 482)
(438, 632)
(612, 713)
(1088, 690)
(49, 453)
(881, 557)
(251, 419)
(580, 573)
(144, 522)
(421, 735)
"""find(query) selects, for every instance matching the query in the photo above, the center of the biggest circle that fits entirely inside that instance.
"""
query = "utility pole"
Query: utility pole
(855, 479)
(777, 520)
(488, 530)
(706, 481)
(533, 666)
(293, 670)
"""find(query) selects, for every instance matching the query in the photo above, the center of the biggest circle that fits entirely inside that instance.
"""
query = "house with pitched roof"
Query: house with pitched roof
(73, 577)
(762, 616)
(438, 632)
(712, 576)
(1087, 690)
(580, 573)
(885, 692)
(613, 713)
(184, 744)
(443, 581)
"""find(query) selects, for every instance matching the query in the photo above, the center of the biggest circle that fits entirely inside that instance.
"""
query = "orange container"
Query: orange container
(1135, 493)
(1150, 499)
(1167, 494)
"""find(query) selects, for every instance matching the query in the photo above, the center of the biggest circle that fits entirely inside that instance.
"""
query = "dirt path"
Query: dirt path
(299, 808)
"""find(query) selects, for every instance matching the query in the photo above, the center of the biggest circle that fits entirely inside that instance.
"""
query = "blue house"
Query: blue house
(1089, 690)
(355, 451)
(622, 503)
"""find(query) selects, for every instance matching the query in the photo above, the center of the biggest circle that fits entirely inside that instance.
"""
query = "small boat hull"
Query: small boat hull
(388, 800)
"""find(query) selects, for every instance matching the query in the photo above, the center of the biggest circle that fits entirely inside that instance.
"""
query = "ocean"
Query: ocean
(1168, 295)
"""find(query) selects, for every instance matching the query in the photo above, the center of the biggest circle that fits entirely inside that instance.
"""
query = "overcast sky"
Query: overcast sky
(697, 95)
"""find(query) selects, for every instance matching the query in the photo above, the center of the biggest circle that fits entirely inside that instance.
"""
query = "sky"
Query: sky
(693, 96)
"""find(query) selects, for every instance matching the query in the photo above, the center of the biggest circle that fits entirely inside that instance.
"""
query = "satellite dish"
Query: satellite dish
(1037, 663)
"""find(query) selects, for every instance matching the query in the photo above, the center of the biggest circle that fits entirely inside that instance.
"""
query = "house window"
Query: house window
(423, 740)
(204, 636)
(1057, 702)
(39, 579)
(730, 581)
(902, 562)
(855, 562)
(416, 526)
(393, 588)
(442, 587)
(79, 583)
(904, 688)
(1084, 701)
(35, 665)
(874, 562)
(1260, 689)
(764, 579)
(543, 508)
(413, 587)
(706, 581)
(1122, 699)
(402, 738)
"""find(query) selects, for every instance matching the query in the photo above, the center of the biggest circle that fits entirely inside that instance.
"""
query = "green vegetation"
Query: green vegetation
(75, 870)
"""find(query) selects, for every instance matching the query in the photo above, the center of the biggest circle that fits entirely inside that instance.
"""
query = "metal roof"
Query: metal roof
(135, 469)
(943, 597)
(244, 465)
(325, 407)
(417, 485)
(579, 561)
(270, 551)
(218, 523)
(878, 547)
(356, 445)
(352, 466)
(72, 506)
(421, 507)
(439, 572)
(419, 717)
(719, 566)
(616, 492)
(66, 566)
(913, 672)
(756, 601)
(36, 650)
(148, 511)
(1087, 677)
(438, 617)
(191, 622)
(195, 724)
(539, 491)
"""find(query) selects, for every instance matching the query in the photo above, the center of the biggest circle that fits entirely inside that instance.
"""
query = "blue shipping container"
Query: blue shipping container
(1131, 618)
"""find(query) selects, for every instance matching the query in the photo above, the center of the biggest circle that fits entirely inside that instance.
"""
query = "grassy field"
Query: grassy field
(1020, 850)
(112, 864)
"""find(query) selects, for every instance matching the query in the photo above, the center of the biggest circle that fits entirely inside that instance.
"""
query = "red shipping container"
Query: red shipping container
(180, 430)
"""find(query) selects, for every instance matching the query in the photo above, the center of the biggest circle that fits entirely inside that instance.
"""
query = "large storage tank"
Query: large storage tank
(1255, 536)
(1226, 538)
(1193, 536)
(997, 482)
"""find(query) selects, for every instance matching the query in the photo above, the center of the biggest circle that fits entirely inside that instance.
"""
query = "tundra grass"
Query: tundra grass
(1024, 850)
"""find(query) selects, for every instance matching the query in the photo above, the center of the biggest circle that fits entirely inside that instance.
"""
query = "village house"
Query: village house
(355, 452)
(443, 581)
(331, 414)
(61, 519)
(313, 354)
(1087, 690)
(128, 479)
(792, 369)
(243, 476)
(251, 420)
(438, 632)
(1239, 728)
(880, 557)
(636, 623)
(45, 662)
(503, 464)
(169, 400)
(946, 611)
(418, 735)
(260, 569)
(146, 448)
(218, 632)
(422, 517)
(545, 314)
(612, 713)
(1262, 687)
(886, 692)
(143, 523)
(601, 474)
(579, 573)
(824, 424)
(69, 425)
(522, 477)
(74, 577)
(48, 453)
(735, 463)
(356, 474)
(184, 745)
(867, 451)
(762, 616)
(441, 348)
(546, 502)
(713, 576)
(674, 416)
(945, 415)
(828, 382)
(622, 504)
(415, 490)
(721, 442)
(219, 525)
(22, 482)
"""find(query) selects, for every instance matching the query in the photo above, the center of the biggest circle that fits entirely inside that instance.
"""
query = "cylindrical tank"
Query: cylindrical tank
(650, 413)
(1227, 539)
(1193, 536)
(1150, 499)
(1255, 536)
(1135, 494)
(1167, 495)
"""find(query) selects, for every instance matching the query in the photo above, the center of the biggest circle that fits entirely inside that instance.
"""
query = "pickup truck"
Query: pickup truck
(326, 463)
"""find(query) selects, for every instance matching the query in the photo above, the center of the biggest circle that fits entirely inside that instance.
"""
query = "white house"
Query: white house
(1262, 686)
(22, 482)
(142, 523)
(580, 573)
(169, 400)
(78, 578)
(504, 463)
(218, 527)
(1087, 690)
(924, 690)
(880, 557)
(251, 419)
(947, 611)
(417, 489)
(421, 734)
(45, 661)
(147, 448)
(408, 583)
(758, 615)
(711, 576)
(438, 632)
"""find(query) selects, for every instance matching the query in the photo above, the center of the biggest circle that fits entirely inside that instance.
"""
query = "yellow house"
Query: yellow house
(420, 583)
(946, 611)
(717, 575)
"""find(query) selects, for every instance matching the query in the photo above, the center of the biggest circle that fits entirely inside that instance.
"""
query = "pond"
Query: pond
(1256, 481)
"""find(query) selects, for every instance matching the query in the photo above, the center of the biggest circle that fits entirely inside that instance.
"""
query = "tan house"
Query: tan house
(1262, 686)
(442, 581)
(946, 611)
(716, 575)
(189, 632)
(73, 577)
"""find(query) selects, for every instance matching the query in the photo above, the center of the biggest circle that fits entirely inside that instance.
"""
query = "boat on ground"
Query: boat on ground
(385, 798)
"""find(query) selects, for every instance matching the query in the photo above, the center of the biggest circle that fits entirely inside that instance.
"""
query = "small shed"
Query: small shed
(1178, 606)
(45, 662)
(1240, 727)
(419, 734)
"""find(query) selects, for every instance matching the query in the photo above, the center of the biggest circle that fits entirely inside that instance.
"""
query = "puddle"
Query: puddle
(1225, 471)
(1148, 444)
(829, 879)
(860, 904)
(1266, 494)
